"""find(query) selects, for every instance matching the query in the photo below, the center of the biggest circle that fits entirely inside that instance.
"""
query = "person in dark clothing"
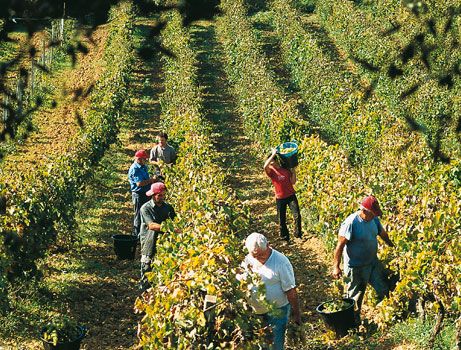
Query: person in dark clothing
(162, 151)
(139, 179)
(153, 213)
(283, 181)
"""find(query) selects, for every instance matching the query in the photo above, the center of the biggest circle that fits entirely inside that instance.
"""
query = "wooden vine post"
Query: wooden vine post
(209, 311)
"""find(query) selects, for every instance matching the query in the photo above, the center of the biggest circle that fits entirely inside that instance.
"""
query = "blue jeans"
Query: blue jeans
(278, 321)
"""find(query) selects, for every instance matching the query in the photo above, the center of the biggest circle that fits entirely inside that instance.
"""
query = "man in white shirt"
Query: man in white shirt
(277, 274)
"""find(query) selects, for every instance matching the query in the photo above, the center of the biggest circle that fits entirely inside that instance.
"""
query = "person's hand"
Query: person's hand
(297, 319)
(274, 151)
(337, 273)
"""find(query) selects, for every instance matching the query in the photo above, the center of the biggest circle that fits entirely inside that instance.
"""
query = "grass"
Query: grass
(409, 334)
(76, 281)
(417, 332)
(84, 279)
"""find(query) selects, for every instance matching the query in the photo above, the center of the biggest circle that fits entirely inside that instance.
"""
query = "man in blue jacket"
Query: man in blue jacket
(140, 182)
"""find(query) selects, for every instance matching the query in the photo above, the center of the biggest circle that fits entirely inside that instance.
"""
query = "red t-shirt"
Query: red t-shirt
(282, 184)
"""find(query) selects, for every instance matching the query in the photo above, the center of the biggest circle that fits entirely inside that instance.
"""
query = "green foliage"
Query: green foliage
(306, 6)
(326, 186)
(388, 160)
(43, 91)
(420, 197)
(412, 333)
(425, 54)
(202, 257)
(418, 332)
(60, 330)
(420, 201)
(46, 200)
(335, 101)
(269, 117)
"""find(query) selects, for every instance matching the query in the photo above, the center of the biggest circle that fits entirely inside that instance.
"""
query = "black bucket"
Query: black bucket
(289, 163)
(70, 345)
(125, 246)
(340, 321)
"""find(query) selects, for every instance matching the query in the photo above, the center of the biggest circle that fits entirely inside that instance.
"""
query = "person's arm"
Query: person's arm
(153, 226)
(269, 160)
(292, 297)
(342, 241)
(385, 237)
(153, 155)
(145, 182)
(149, 219)
(293, 176)
(136, 178)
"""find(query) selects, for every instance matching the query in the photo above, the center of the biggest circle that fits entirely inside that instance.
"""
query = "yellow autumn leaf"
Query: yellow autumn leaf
(201, 321)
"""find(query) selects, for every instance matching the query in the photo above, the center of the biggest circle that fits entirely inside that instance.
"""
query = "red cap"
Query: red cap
(156, 188)
(370, 203)
(141, 154)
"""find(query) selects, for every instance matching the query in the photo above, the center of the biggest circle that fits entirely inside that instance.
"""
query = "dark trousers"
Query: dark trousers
(148, 251)
(138, 200)
(144, 282)
(282, 204)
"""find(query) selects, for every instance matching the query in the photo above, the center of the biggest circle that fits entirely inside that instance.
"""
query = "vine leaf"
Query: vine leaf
(408, 53)
(431, 25)
(413, 124)
(410, 91)
(446, 80)
(394, 72)
(365, 64)
(394, 29)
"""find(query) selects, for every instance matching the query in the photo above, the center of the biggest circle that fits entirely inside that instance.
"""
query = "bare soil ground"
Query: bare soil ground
(56, 128)
(309, 257)
(88, 282)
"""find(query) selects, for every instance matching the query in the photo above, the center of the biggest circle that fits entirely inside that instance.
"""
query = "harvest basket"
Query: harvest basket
(69, 345)
(288, 152)
(125, 246)
(339, 321)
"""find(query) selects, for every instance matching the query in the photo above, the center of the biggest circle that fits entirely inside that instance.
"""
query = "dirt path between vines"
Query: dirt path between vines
(117, 281)
(309, 257)
(270, 43)
(56, 128)
(88, 283)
